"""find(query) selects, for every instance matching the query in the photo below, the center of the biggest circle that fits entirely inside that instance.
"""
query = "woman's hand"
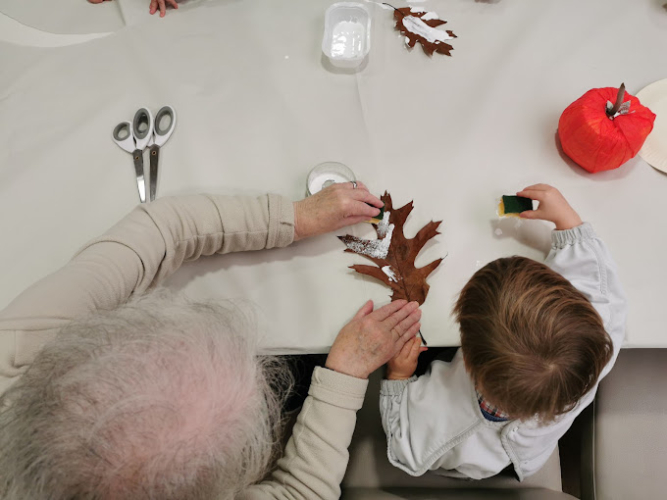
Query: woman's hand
(403, 365)
(553, 207)
(334, 207)
(162, 6)
(373, 337)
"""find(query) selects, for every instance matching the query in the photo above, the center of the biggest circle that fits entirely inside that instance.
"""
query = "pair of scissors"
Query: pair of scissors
(145, 132)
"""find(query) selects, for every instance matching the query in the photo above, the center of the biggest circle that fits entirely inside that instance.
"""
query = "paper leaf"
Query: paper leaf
(410, 22)
(394, 254)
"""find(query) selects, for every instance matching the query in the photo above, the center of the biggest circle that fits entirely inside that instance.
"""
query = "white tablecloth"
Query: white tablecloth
(66, 16)
(259, 106)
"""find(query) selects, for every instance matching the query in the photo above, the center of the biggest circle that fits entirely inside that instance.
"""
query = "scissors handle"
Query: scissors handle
(154, 159)
(142, 128)
(138, 157)
(124, 136)
(165, 122)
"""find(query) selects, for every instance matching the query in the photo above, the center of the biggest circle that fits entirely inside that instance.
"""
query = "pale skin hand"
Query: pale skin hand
(403, 365)
(335, 207)
(553, 207)
(162, 6)
(373, 337)
(155, 5)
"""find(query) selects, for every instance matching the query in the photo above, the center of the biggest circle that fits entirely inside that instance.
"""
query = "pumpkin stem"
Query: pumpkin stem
(619, 101)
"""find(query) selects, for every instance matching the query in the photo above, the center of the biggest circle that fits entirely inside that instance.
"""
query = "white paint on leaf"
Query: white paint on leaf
(390, 273)
(379, 248)
(418, 27)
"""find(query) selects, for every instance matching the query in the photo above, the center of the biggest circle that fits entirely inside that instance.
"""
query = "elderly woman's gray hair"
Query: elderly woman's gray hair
(159, 399)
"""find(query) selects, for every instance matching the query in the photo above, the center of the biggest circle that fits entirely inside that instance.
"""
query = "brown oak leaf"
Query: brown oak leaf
(407, 16)
(394, 254)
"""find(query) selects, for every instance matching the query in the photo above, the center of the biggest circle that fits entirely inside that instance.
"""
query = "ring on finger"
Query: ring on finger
(354, 184)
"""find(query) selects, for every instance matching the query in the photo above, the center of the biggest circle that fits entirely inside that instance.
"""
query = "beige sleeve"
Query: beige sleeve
(135, 255)
(316, 455)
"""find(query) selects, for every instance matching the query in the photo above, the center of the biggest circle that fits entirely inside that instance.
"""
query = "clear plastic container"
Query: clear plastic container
(347, 34)
(325, 174)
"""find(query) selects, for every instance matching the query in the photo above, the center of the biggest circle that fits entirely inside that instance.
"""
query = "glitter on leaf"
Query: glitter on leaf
(394, 254)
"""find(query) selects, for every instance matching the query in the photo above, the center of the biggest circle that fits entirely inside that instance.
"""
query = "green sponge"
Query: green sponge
(513, 205)
(378, 217)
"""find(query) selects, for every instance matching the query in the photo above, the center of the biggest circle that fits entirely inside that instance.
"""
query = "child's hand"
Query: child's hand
(403, 365)
(553, 206)
(161, 5)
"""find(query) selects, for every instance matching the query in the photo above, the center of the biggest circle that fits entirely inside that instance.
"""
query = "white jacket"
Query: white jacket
(434, 422)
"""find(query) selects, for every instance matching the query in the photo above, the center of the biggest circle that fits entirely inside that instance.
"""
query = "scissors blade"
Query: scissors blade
(154, 159)
(139, 171)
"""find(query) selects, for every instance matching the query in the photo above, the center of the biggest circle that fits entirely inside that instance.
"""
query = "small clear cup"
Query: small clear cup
(327, 173)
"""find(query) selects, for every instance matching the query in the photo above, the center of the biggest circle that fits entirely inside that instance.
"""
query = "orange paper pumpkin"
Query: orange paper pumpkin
(599, 135)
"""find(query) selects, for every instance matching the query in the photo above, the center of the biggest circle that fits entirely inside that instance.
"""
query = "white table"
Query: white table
(259, 106)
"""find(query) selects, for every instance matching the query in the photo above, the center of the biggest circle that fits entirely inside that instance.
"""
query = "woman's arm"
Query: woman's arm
(151, 243)
(134, 256)
(316, 455)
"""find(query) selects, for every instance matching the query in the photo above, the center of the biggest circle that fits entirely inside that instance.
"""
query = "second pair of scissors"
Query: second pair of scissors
(143, 132)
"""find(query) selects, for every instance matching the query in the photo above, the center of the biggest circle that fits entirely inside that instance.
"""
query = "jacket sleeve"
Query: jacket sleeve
(394, 410)
(132, 257)
(581, 256)
(316, 455)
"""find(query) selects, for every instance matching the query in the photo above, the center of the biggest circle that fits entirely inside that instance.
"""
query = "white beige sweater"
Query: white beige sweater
(138, 253)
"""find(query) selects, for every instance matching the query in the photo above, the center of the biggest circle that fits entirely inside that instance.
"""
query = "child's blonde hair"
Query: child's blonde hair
(532, 342)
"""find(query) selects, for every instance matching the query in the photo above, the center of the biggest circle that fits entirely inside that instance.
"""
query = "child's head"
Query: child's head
(533, 344)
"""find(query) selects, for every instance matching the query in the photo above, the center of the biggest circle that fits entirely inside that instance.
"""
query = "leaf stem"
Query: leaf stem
(619, 101)
(389, 5)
